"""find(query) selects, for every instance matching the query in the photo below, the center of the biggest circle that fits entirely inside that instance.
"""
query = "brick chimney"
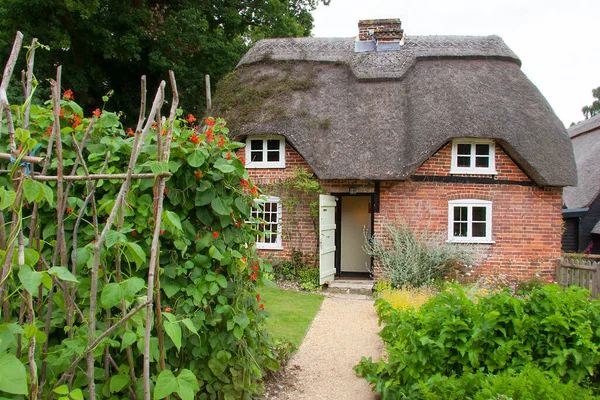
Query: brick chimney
(379, 35)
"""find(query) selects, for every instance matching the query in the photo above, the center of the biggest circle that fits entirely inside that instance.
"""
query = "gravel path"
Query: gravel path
(344, 330)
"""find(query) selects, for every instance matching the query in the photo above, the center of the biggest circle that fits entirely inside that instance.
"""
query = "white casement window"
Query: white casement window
(267, 219)
(265, 152)
(473, 156)
(470, 221)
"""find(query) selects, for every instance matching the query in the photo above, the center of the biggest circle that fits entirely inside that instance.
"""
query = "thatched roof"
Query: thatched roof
(585, 137)
(380, 115)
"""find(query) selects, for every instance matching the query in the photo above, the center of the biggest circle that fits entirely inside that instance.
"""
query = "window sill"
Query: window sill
(258, 247)
(265, 166)
(471, 241)
(472, 172)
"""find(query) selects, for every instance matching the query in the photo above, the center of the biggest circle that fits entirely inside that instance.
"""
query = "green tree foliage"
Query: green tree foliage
(594, 108)
(109, 44)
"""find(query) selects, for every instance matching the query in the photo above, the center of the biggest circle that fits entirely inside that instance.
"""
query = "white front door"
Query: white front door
(326, 238)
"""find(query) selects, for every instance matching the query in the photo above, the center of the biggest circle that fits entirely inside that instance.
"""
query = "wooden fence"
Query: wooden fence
(584, 273)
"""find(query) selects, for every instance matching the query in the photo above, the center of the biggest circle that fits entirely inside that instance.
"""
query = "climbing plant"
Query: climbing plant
(127, 268)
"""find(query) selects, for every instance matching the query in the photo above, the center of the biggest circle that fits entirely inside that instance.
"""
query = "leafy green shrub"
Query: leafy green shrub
(403, 298)
(288, 269)
(553, 329)
(406, 258)
(530, 383)
(309, 278)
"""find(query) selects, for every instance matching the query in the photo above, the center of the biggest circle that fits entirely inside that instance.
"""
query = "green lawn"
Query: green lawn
(291, 312)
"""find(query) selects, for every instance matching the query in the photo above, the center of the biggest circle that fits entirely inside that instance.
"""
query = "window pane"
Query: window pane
(256, 156)
(267, 207)
(463, 149)
(463, 162)
(482, 149)
(273, 144)
(460, 214)
(478, 229)
(479, 213)
(482, 162)
(460, 229)
(256, 144)
(273, 156)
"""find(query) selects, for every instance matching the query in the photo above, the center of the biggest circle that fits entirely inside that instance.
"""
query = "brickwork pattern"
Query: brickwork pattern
(526, 220)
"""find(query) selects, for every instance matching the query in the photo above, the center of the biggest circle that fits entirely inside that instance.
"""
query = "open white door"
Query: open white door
(326, 238)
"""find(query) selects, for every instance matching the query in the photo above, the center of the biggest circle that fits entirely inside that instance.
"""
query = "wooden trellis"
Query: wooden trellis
(36, 168)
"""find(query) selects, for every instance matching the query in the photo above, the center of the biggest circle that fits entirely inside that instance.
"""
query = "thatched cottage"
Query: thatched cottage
(443, 133)
(582, 202)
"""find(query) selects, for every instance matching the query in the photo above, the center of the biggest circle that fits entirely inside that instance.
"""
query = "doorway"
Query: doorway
(355, 222)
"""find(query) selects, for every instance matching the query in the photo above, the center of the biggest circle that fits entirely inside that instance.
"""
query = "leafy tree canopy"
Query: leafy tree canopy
(594, 108)
(107, 45)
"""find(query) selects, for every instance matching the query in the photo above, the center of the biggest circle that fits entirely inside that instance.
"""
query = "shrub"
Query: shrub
(529, 383)
(403, 298)
(309, 278)
(553, 329)
(406, 258)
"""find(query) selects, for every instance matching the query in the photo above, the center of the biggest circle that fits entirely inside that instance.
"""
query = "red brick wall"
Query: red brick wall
(526, 220)
(439, 165)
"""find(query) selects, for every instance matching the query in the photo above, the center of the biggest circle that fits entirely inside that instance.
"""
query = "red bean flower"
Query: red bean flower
(162, 231)
(221, 142)
(48, 131)
(210, 121)
(130, 132)
(195, 138)
(76, 121)
(198, 174)
(228, 156)
(257, 296)
(262, 307)
(215, 234)
(68, 94)
(97, 112)
(243, 183)
(253, 276)
(69, 210)
(190, 118)
(168, 309)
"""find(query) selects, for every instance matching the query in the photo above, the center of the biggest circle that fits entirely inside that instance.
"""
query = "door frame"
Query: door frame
(338, 233)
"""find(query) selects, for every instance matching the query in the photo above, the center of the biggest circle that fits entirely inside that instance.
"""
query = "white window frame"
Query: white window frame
(490, 170)
(265, 163)
(277, 245)
(470, 203)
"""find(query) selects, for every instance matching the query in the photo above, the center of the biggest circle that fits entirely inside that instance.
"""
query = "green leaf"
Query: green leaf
(222, 281)
(132, 286)
(30, 279)
(14, 377)
(62, 389)
(224, 166)
(112, 237)
(118, 382)
(76, 394)
(83, 255)
(242, 205)
(165, 384)
(63, 274)
(111, 295)
(173, 219)
(158, 167)
(188, 384)
(242, 320)
(174, 331)
(204, 198)
(220, 207)
(128, 339)
(238, 332)
(33, 190)
(31, 256)
(196, 159)
(48, 194)
(215, 253)
(7, 198)
(190, 325)
(137, 253)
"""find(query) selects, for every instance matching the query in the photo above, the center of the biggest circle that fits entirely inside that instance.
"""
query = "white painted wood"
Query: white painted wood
(326, 238)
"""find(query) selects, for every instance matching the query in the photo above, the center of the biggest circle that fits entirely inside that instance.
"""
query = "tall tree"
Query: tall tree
(590, 111)
(107, 45)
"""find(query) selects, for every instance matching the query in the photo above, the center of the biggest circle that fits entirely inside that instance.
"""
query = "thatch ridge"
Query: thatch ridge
(379, 116)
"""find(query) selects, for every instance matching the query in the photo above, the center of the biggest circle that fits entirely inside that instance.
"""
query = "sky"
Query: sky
(558, 42)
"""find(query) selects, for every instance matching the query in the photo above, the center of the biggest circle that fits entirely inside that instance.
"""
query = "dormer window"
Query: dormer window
(473, 156)
(265, 152)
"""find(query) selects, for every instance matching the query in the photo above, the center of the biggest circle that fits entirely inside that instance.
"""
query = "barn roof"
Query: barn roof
(380, 115)
(585, 137)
